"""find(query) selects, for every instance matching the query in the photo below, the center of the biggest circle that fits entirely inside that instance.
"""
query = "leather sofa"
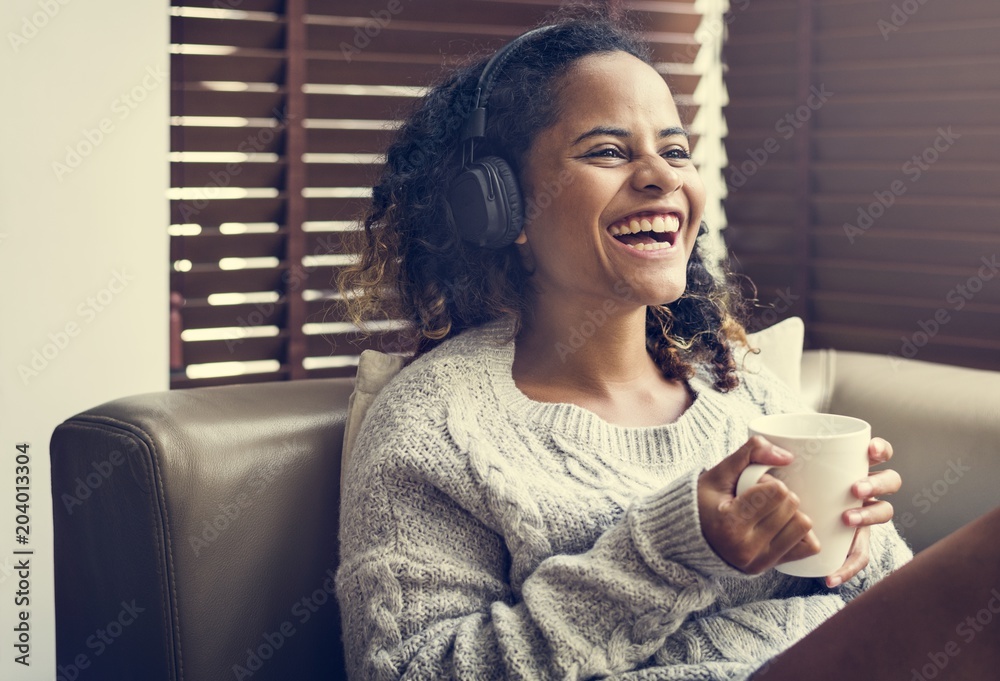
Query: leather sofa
(196, 530)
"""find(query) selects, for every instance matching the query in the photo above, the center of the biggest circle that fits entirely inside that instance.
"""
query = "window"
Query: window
(279, 113)
(864, 169)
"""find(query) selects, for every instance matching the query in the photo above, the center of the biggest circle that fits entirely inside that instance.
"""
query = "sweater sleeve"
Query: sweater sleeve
(425, 592)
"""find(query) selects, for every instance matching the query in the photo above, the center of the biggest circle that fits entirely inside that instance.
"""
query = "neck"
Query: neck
(599, 348)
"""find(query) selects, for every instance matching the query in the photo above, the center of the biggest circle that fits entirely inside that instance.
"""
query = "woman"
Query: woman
(547, 490)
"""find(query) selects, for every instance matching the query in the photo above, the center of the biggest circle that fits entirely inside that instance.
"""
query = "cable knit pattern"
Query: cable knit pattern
(485, 535)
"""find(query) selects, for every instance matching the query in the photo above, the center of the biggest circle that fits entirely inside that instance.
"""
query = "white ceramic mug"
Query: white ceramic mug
(831, 454)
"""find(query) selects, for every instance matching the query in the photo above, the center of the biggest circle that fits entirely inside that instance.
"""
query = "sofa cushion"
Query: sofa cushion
(780, 348)
(375, 369)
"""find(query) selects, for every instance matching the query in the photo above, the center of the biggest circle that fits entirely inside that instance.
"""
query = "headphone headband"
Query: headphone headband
(475, 124)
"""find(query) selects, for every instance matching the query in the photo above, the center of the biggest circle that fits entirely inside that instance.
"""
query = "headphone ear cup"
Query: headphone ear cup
(485, 203)
(512, 191)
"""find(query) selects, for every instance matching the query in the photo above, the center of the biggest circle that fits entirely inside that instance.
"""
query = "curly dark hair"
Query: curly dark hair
(413, 264)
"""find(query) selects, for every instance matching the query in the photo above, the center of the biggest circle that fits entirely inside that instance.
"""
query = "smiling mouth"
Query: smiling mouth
(647, 232)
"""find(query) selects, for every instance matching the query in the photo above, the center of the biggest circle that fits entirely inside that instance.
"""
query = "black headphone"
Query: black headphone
(484, 201)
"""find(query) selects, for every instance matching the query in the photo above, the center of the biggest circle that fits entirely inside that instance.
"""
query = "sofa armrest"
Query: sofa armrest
(190, 525)
(943, 422)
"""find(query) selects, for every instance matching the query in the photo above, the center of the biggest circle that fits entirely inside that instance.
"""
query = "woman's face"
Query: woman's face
(613, 202)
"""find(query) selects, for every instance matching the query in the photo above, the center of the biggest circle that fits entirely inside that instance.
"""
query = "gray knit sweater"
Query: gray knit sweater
(488, 536)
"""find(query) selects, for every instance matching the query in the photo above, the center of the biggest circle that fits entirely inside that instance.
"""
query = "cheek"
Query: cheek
(553, 215)
(695, 189)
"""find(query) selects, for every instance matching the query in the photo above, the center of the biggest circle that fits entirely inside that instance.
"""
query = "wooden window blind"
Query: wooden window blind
(280, 110)
(873, 213)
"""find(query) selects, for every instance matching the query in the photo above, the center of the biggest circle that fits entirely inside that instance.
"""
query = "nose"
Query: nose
(653, 173)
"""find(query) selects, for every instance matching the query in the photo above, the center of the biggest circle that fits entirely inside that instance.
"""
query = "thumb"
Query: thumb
(756, 450)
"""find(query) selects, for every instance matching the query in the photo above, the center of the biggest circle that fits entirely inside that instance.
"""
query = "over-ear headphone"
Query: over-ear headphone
(484, 200)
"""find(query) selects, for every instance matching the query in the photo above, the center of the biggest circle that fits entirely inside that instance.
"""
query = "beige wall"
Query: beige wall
(83, 249)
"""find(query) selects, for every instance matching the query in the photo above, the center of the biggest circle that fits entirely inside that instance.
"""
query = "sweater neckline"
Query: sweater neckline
(701, 415)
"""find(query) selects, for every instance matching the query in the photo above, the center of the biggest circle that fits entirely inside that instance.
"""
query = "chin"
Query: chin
(665, 295)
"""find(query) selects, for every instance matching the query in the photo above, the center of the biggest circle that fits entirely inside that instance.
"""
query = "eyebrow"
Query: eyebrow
(619, 132)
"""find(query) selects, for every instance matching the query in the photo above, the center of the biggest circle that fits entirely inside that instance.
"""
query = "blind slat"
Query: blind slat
(204, 280)
(248, 349)
(202, 102)
(238, 67)
(242, 139)
(238, 33)
(198, 314)
(269, 174)
(211, 247)
(214, 212)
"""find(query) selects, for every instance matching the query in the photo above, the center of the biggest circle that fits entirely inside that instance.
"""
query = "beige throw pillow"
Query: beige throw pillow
(780, 351)
(375, 369)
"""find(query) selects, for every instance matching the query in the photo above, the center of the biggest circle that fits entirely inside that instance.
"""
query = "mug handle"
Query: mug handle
(750, 476)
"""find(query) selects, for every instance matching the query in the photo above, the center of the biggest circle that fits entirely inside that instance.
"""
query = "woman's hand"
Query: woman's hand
(762, 527)
(873, 512)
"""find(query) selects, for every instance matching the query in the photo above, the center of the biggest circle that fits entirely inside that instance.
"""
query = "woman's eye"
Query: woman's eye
(607, 152)
(677, 152)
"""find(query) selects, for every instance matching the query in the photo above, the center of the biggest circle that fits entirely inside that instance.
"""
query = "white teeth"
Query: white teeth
(658, 223)
(650, 247)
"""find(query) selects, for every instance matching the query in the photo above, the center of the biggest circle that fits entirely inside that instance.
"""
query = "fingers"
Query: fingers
(764, 499)
(724, 475)
(807, 546)
(775, 530)
(872, 513)
(857, 559)
(878, 484)
(754, 450)
(792, 545)
(879, 451)
(752, 531)
(762, 451)
(788, 530)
